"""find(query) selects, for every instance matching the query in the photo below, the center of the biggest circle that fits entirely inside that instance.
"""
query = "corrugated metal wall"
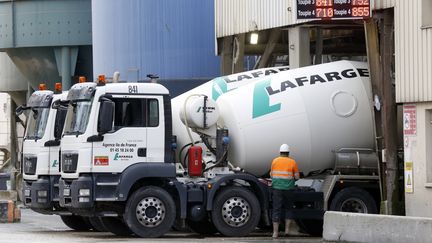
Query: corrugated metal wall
(380, 4)
(171, 38)
(413, 50)
(241, 16)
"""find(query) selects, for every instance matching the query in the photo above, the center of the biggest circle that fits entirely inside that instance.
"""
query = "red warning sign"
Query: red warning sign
(101, 160)
(410, 120)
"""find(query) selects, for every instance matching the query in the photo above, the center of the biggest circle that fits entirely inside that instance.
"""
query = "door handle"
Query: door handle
(142, 152)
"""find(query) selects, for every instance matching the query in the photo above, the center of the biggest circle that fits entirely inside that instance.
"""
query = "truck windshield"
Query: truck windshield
(77, 117)
(38, 118)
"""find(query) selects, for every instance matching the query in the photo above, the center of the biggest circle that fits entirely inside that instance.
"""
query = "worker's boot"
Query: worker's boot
(275, 230)
(287, 226)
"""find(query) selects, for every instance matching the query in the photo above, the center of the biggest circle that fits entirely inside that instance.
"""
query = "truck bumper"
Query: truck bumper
(42, 195)
(77, 193)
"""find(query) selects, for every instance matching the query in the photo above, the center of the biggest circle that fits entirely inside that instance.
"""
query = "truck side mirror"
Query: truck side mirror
(106, 116)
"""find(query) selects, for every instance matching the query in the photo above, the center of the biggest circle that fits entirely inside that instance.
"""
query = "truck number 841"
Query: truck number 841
(133, 89)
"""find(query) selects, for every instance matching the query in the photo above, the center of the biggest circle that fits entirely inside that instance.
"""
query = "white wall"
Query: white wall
(419, 203)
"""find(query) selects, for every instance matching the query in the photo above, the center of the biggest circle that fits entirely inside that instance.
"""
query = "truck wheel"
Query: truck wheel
(97, 224)
(313, 227)
(204, 227)
(75, 222)
(116, 226)
(236, 211)
(355, 200)
(150, 212)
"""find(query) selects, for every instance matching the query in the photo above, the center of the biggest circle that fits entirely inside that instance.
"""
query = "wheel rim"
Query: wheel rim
(236, 211)
(150, 211)
(354, 205)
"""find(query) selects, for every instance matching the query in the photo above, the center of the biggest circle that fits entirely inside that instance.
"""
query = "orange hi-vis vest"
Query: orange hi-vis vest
(284, 172)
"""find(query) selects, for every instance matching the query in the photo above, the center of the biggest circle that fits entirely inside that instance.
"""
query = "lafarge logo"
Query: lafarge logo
(118, 156)
(209, 109)
(263, 89)
(219, 88)
(220, 85)
(55, 163)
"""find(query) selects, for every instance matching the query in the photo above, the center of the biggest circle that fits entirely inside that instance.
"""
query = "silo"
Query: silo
(173, 39)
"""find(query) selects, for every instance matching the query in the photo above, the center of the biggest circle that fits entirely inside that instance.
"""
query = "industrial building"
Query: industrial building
(413, 62)
(187, 42)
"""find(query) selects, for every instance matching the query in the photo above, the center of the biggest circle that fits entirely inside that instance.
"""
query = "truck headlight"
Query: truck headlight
(84, 199)
(42, 193)
(66, 192)
(27, 192)
(84, 192)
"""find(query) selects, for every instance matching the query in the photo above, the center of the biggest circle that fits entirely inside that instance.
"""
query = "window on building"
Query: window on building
(136, 113)
(426, 9)
(428, 146)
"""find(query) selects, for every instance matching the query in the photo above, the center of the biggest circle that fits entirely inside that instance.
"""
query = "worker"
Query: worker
(284, 172)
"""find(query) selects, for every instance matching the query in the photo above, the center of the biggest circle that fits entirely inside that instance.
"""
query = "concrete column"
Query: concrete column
(299, 47)
(270, 47)
(318, 46)
(227, 55)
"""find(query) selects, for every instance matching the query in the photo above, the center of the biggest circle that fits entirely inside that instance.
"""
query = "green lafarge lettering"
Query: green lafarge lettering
(261, 100)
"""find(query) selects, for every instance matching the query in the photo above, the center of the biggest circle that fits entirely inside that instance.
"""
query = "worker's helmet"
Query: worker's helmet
(284, 148)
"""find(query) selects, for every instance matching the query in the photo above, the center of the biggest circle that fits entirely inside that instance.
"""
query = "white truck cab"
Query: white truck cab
(105, 147)
(41, 148)
(103, 155)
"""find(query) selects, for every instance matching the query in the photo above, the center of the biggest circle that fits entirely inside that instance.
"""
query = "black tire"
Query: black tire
(353, 199)
(204, 227)
(75, 222)
(312, 227)
(236, 211)
(116, 226)
(97, 224)
(146, 219)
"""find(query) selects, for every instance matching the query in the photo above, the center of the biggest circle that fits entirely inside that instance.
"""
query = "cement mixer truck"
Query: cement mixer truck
(141, 161)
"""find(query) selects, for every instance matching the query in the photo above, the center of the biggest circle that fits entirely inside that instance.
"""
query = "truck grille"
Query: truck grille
(69, 162)
(30, 165)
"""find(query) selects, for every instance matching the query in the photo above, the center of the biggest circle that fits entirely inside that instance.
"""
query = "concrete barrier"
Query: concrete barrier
(354, 227)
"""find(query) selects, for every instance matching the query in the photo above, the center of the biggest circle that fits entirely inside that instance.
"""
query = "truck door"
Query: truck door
(155, 129)
(126, 144)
